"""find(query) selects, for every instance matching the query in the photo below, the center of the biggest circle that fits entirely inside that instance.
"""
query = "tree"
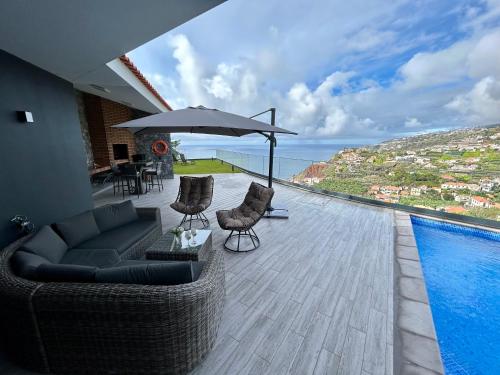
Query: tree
(173, 145)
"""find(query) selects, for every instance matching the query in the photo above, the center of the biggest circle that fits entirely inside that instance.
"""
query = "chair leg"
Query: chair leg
(197, 217)
(204, 220)
(183, 220)
(123, 187)
(250, 233)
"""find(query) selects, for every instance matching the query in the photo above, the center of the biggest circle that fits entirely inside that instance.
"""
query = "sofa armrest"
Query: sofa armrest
(149, 213)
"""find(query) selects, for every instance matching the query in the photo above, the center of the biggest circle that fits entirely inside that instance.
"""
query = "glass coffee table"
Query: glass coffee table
(172, 247)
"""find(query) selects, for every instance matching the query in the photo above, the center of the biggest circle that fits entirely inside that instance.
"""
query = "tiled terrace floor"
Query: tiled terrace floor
(315, 298)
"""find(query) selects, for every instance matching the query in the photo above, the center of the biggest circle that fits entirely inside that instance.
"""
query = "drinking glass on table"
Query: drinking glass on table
(188, 236)
(193, 233)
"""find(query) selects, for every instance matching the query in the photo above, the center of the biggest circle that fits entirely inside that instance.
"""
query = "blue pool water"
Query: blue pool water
(461, 268)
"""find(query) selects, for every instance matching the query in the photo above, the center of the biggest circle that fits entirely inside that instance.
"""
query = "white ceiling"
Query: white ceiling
(75, 39)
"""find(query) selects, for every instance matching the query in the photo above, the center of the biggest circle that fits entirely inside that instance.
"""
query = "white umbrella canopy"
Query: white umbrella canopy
(200, 120)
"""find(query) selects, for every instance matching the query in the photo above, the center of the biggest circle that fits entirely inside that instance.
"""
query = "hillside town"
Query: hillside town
(456, 171)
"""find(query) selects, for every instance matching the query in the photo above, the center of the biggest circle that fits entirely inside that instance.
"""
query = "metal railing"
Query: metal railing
(284, 168)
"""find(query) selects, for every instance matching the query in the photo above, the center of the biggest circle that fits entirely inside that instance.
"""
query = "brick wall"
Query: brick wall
(101, 114)
(116, 113)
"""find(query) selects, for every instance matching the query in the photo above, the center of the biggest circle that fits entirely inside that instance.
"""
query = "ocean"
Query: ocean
(309, 152)
(289, 159)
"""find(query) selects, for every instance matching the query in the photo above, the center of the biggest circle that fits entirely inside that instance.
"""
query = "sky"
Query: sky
(357, 71)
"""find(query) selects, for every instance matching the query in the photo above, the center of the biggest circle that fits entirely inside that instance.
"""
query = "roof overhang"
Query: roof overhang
(81, 40)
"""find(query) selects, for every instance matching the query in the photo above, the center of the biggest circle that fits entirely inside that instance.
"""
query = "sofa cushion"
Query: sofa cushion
(91, 257)
(167, 273)
(121, 238)
(115, 215)
(78, 229)
(65, 272)
(47, 244)
(196, 267)
(26, 263)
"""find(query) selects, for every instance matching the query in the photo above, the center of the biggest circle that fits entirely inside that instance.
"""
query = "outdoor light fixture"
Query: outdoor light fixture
(24, 116)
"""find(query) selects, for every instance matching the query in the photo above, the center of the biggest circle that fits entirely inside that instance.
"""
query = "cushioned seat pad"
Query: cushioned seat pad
(92, 257)
(120, 238)
(166, 273)
(25, 264)
(188, 208)
(249, 212)
(235, 219)
(196, 267)
(65, 272)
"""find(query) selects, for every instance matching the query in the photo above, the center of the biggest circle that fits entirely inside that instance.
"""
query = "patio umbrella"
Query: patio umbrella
(202, 120)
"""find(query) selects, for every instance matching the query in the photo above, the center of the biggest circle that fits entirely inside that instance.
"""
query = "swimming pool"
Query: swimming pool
(461, 267)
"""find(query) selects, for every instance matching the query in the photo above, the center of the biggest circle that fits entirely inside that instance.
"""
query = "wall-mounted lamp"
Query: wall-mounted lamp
(24, 116)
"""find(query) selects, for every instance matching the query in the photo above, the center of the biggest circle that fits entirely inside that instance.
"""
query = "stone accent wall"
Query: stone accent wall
(144, 142)
(85, 129)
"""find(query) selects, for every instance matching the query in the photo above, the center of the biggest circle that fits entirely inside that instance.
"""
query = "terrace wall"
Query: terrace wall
(101, 114)
(43, 172)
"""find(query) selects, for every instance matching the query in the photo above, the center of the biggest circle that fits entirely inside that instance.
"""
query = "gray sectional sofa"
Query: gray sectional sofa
(78, 297)
(101, 245)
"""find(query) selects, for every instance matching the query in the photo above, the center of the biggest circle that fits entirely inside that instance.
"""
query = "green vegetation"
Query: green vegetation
(471, 154)
(349, 186)
(413, 170)
(403, 176)
(485, 213)
(203, 167)
(426, 201)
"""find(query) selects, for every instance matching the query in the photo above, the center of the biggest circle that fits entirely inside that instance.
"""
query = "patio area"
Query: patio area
(316, 297)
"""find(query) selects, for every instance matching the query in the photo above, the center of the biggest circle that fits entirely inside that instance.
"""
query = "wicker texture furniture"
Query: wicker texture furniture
(100, 328)
(242, 218)
(194, 197)
(165, 248)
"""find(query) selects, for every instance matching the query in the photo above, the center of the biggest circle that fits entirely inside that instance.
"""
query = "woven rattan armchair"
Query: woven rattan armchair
(194, 197)
(100, 328)
(240, 220)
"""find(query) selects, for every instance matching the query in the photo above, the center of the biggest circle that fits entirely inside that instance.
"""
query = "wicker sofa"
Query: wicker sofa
(110, 328)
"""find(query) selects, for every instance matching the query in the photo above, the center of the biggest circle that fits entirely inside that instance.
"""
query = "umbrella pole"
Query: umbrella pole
(273, 212)
(271, 150)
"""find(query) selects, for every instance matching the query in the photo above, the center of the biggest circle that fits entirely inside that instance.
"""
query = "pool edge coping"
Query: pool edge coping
(416, 348)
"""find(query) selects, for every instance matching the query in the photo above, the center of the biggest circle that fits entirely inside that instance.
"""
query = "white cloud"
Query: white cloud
(426, 69)
(484, 57)
(412, 122)
(329, 77)
(321, 112)
(481, 105)
(369, 38)
(188, 68)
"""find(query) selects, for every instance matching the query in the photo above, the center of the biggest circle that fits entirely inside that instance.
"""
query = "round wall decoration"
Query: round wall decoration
(159, 147)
